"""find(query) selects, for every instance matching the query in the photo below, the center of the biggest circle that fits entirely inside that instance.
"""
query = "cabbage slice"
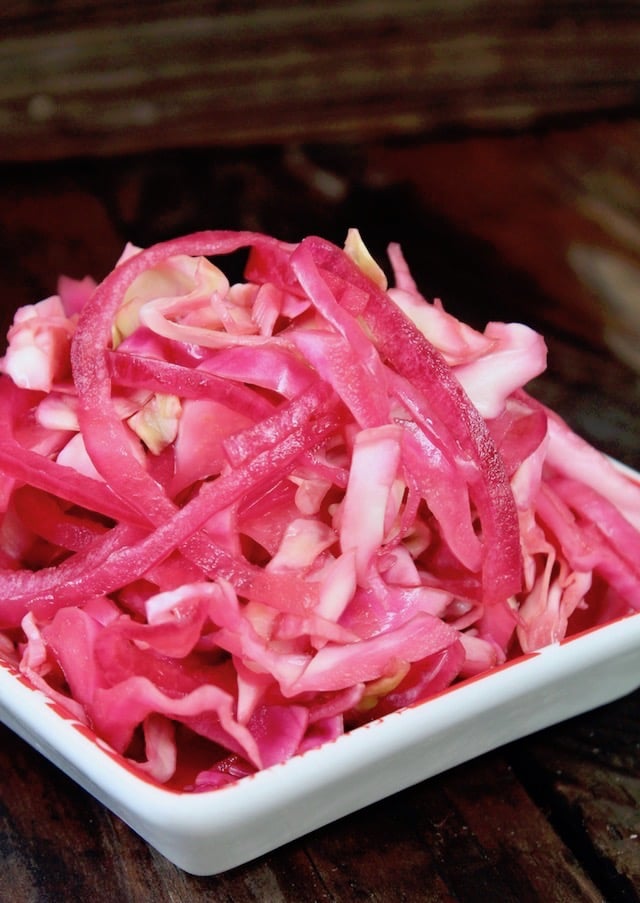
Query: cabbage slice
(237, 520)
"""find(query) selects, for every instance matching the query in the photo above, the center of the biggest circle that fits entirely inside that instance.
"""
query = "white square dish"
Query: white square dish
(210, 832)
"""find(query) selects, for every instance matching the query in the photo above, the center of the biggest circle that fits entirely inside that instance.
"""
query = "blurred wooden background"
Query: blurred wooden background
(115, 77)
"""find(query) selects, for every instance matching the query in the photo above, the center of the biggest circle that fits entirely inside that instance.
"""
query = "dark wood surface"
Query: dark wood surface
(553, 817)
(118, 77)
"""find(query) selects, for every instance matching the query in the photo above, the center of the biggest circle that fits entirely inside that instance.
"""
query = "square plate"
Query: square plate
(210, 832)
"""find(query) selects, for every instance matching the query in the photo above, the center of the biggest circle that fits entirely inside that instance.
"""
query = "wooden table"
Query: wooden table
(106, 76)
(554, 817)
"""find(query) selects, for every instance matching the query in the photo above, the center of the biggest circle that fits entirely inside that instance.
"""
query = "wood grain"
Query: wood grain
(508, 823)
(104, 78)
(586, 773)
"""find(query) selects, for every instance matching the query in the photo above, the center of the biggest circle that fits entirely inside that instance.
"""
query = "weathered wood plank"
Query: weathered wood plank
(58, 843)
(97, 79)
(586, 772)
(445, 840)
(472, 833)
(515, 846)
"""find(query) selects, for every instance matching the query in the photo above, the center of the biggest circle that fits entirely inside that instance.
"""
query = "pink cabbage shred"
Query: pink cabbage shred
(238, 520)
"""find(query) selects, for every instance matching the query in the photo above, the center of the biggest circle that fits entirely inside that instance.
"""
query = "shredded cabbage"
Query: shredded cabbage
(238, 520)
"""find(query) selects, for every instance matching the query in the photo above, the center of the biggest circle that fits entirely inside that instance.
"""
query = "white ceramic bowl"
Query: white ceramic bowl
(210, 832)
